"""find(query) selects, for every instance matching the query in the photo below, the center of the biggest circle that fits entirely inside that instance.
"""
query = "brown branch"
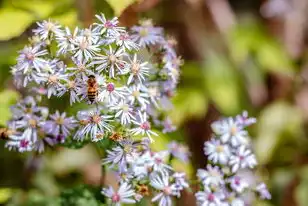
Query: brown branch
(85, 11)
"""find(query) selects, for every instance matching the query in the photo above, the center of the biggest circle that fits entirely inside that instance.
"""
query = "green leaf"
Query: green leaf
(38, 9)
(74, 144)
(5, 194)
(272, 57)
(7, 98)
(119, 5)
(188, 103)
(222, 84)
(13, 22)
(276, 122)
(68, 19)
(301, 192)
(79, 196)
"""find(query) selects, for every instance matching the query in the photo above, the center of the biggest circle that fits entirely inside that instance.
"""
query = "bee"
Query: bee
(92, 88)
(4, 133)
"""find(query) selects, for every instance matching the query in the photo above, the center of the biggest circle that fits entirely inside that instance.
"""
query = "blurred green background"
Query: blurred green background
(239, 55)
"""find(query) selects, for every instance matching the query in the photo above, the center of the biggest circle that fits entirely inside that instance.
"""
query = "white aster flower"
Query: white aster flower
(217, 152)
(90, 35)
(158, 162)
(111, 94)
(73, 88)
(84, 50)
(209, 198)
(31, 58)
(112, 62)
(109, 26)
(137, 70)
(124, 195)
(211, 176)
(243, 159)
(123, 111)
(233, 200)
(180, 181)
(19, 144)
(124, 40)
(238, 184)
(92, 124)
(263, 191)
(244, 120)
(230, 130)
(66, 39)
(54, 80)
(122, 154)
(154, 94)
(166, 190)
(46, 28)
(144, 127)
(136, 95)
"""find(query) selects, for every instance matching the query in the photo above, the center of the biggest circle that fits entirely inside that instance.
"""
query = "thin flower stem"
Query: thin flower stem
(101, 154)
(170, 159)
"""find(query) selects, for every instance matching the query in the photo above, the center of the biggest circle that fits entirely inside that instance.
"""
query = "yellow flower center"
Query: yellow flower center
(135, 68)
(83, 44)
(127, 148)
(52, 79)
(71, 84)
(49, 26)
(219, 149)
(112, 59)
(33, 123)
(60, 121)
(144, 32)
(233, 130)
(136, 93)
(125, 108)
(96, 119)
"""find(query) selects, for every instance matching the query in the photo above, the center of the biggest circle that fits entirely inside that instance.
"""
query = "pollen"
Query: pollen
(112, 58)
(127, 148)
(100, 136)
(220, 148)
(30, 56)
(135, 68)
(83, 44)
(144, 32)
(96, 119)
(143, 190)
(71, 84)
(145, 126)
(167, 190)
(110, 87)
(83, 122)
(52, 79)
(115, 136)
(49, 26)
(33, 123)
(125, 108)
(233, 130)
(136, 93)
(60, 121)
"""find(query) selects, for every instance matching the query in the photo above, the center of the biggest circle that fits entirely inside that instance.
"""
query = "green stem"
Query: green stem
(170, 159)
(101, 154)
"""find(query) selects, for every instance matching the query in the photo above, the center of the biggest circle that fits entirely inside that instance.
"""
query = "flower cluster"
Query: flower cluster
(110, 68)
(33, 128)
(228, 178)
(143, 173)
